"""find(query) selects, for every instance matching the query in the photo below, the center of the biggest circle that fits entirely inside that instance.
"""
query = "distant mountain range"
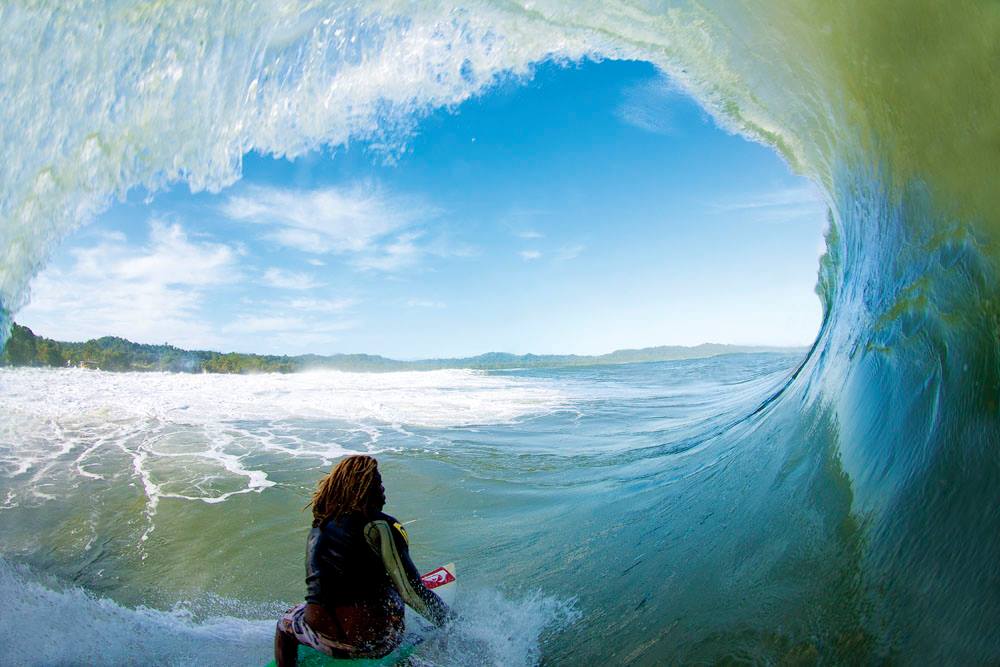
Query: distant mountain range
(24, 348)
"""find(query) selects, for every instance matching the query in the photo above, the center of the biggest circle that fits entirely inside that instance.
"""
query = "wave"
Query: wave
(206, 437)
(81, 628)
(439, 398)
(891, 110)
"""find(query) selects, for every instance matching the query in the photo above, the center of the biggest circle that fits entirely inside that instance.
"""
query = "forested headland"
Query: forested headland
(111, 353)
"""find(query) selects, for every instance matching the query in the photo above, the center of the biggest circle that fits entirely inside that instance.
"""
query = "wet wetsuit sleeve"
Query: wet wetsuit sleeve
(390, 543)
(314, 567)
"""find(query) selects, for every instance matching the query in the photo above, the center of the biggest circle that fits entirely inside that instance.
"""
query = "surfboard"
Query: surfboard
(441, 580)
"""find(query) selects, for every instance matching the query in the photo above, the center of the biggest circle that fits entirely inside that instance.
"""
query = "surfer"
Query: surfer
(358, 573)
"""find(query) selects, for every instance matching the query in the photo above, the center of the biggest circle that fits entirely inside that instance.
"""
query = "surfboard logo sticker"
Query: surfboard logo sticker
(438, 577)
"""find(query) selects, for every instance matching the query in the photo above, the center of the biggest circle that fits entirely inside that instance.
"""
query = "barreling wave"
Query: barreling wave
(890, 108)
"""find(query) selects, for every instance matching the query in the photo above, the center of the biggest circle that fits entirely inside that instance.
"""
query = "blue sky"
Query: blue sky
(590, 208)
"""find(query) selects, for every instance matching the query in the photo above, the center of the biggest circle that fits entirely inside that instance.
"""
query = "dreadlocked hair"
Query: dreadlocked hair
(347, 488)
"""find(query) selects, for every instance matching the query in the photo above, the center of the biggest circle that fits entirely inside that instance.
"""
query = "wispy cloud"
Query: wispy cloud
(568, 252)
(150, 293)
(288, 333)
(647, 106)
(284, 324)
(292, 280)
(321, 305)
(292, 326)
(524, 223)
(779, 205)
(425, 303)
(529, 255)
(111, 236)
(362, 221)
(265, 324)
(400, 253)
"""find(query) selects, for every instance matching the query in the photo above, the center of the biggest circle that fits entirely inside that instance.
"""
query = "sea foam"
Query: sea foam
(61, 425)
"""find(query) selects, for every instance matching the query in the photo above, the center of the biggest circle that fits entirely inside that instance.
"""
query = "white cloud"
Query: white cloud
(151, 293)
(321, 305)
(569, 252)
(398, 254)
(293, 280)
(780, 205)
(646, 106)
(529, 234)
(294, 326)
(425, 303)
(112, 236)
(338, 220)
(289, 334)
(529, 255)
(265, 324)
(316, 262)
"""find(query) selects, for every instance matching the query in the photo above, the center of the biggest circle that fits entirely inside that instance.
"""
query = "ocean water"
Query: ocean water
(848, 513)
(169, 506)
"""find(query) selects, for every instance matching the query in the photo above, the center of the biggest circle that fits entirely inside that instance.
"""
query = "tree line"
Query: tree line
(111, 353)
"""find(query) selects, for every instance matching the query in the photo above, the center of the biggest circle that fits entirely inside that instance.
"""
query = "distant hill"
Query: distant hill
(111, 353)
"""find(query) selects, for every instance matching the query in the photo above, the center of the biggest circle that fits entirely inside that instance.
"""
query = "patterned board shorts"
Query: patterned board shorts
(293, 622)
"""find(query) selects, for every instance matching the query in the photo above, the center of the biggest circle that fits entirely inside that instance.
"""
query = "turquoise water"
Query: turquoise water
(582, 506)
(850, 513)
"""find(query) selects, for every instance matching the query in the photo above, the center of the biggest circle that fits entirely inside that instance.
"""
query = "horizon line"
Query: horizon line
(762, 347)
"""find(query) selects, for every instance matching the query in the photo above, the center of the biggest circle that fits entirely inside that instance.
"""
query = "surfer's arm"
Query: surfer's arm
(390, 543)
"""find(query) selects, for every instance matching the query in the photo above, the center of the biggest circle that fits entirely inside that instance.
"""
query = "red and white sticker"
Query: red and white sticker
(438, 577)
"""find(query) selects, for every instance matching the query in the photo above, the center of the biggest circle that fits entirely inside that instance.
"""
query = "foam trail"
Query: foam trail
(200, 437)
(436, 399)
(492, 629)
(83, 629)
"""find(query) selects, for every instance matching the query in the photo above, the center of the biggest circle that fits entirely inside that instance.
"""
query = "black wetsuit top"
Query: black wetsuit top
(354, 561)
